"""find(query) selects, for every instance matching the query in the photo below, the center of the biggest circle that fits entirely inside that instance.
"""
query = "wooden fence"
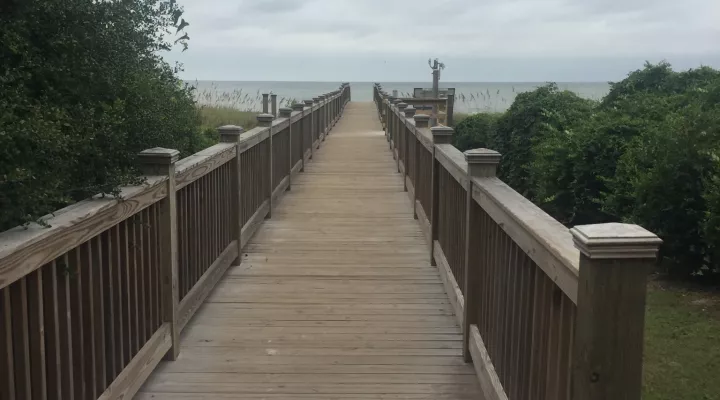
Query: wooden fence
(547, 312)
(90, 303)
(424, 105)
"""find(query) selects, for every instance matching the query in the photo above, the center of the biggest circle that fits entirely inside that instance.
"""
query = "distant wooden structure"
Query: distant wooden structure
(275, 265)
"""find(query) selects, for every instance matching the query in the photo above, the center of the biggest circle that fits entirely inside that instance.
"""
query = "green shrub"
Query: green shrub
(531, 117)
(475, 131)
(648, 153)
(83, 89)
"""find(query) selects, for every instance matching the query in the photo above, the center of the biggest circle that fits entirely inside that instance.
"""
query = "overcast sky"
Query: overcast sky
(479, 40)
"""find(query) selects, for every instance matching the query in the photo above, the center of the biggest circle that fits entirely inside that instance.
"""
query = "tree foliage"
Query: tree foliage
(646, 154)
(83, 89)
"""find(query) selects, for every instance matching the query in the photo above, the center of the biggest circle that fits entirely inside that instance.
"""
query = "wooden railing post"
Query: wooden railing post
(421, 121)
(286, 112)
(309, 103)
(265, 103)
(409, 113)
(449, 110)
(608, 352)
(273, 102)
(323, 119)
(440, 135)
(231, 134)
(155, 162)
(316, 120)
(266, 120)
(299, 131)
(482, 163)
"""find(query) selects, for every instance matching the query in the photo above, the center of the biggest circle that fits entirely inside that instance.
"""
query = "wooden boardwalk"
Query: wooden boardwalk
(335, 297)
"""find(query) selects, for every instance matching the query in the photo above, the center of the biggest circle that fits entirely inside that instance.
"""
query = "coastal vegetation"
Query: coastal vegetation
(77, 103)
(647, 153)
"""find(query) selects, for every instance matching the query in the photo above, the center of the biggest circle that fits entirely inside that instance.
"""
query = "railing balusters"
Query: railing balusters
(107, 290)
(534, 326)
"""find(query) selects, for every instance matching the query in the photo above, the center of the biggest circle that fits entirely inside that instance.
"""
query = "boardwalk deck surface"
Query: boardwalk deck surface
(335, 297)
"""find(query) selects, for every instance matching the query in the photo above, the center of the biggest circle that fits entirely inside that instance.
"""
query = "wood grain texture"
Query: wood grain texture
(194, 299)
(451, 286)
(192, 168)
(24, 250)
(540, 236)
(489, 381)
(252, 137)
(131, 378)
(334, 298)
(453, 161)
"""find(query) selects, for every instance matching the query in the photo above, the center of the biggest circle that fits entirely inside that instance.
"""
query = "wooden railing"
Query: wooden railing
(93, 300)
(547, 312)
(424, 105)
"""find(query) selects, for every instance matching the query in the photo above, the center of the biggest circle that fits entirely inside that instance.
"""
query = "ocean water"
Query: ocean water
(470, 97)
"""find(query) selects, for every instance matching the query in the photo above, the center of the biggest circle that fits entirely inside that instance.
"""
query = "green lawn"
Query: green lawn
(682, 343)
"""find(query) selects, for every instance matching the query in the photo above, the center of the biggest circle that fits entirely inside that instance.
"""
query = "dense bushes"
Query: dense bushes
(82, 90)
(646, 154)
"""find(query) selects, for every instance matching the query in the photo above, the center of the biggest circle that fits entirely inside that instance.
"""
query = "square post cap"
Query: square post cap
(230, 133)
(442, 134)
(409, 111)
(482, 156)
(298, 107)
(322, 97)
(396, 101)
(158, 156)
(308, 102)
(615, 240)
(482, 162)
(316, 99)
(391, 98)
(421, 120)
(273, 96)
(285, 112)
(402, 106)
(265, 119)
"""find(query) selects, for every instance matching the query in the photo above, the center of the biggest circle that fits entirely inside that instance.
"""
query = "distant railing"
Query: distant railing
(90, 303)
(547, 312)
(424, 105)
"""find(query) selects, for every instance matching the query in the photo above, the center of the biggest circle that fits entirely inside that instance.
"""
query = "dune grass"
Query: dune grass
(215, 116)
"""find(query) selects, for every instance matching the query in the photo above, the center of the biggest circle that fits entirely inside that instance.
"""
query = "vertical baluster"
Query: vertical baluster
(7, 362)
(36, 329)
(87, 281)
(77, 304)
(52, 331)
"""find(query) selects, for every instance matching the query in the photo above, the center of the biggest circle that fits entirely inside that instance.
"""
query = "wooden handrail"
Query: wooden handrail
(96, 296)
(538, 302)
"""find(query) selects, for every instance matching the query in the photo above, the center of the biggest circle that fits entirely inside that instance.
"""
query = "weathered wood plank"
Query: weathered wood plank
(195, 297)
(23, 250)
(540, 236)
(192, 168)
(334, 296)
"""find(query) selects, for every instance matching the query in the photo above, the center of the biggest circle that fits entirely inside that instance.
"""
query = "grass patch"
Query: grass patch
(214, 116)
(682, 343)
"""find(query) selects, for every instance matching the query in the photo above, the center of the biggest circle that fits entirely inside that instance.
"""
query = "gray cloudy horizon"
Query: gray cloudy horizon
(479, 40)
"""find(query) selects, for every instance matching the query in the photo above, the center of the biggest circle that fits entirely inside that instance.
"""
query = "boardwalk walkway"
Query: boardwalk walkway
(335, 297)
